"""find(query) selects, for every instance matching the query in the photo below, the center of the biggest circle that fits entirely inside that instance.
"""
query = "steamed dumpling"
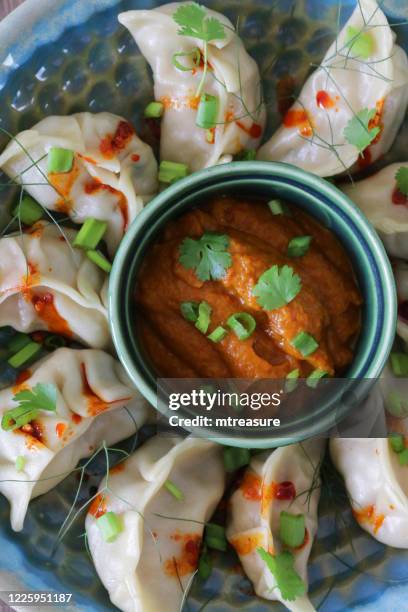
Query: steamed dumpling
(233, 77)
(92, 389)
(385, 207)
(312, 135)
(113, 172)
(150, 564)
(45, 284)
(377, 486)
(286, 479)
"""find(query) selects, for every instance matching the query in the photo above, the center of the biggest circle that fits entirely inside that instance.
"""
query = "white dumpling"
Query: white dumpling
(92, 390)
(255, 513)
(233, 77)
(375, 195)
(143, 568)
(113, 173)
(312, 136)
(377, 486)
(45, 284)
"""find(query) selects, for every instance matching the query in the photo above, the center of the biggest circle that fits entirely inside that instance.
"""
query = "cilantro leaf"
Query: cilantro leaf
(41, 397)
(358, 131)
(277, 287)
(208, 255)
(282, 569)
(193, 21)
(402, 180)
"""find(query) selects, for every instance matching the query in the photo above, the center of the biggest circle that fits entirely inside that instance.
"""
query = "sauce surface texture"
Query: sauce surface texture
(326, 310)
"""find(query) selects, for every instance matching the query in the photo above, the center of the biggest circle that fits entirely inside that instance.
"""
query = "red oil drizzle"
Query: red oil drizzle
(324, 100)
(187, 562)
(399, 198)
(45, 308)
(94, 185)
(285, 490)
(113, 144)
(98, 507)
(298, 118)
(34, 430)
(76, 418)
(255, 131)
(135, 157)
(60, 429)
(22, 377)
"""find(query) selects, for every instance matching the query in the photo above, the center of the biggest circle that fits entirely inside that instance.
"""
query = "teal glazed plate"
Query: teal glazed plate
(321, 200)
(64, 56)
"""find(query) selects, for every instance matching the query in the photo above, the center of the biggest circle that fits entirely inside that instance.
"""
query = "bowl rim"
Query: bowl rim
(192, 183)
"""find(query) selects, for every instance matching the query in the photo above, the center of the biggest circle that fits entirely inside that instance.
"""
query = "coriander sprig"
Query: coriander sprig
(193, 21)
(208, 256)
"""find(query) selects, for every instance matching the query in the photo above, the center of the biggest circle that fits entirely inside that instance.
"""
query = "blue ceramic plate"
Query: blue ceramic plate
(63, 56)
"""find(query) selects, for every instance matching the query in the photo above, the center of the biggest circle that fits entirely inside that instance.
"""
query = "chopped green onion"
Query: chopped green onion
(361, 43)
(277, 207)
(313, 379)
(18, 342)
(292, 380)
(403, 457)
(204, 317)
(195, 54)
(110, 525)
(90, 234)
(304, 343)
(399, 364)
(25, 354)
(60, 160)
(218, 334)
(189, 310)
(17, 417)
(204, 565)
(20, 463)
(292, 529)
(28, 210)
(51, 343)
(242, 324)
(215, 537)
(397, 442)
(154, 110)
(235, 457)
(397, 405)
(174, 490)
(100, 260)
(299, 246)
(207, 112)
(170, 172)
(245, 155)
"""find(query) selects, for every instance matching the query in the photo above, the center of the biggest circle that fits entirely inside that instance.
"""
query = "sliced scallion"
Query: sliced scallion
(399, 364)
(397, 442)
(17, 417)
(277, 207)
(110, 525)
(60, 160)
(28, 210)
(20, 463)
(204, 317)
(195, 55)
(24, 355)
(403, 457)
(207, 112)
(242, 324)
(292, 380)
(245, 155)
(170, 172)
(397, 405)
(17, 342)
(100, 260)
(189, 310)
(235, 457)
(304, 343)
(154, 110)
(313, 379)
(218, 334)
(204, 565)
(90, 234)
(174, 490)
(215, 537)
(292, 529)
(299, 246)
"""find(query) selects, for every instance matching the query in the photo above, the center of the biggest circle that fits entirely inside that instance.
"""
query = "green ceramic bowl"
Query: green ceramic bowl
(321, 200)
